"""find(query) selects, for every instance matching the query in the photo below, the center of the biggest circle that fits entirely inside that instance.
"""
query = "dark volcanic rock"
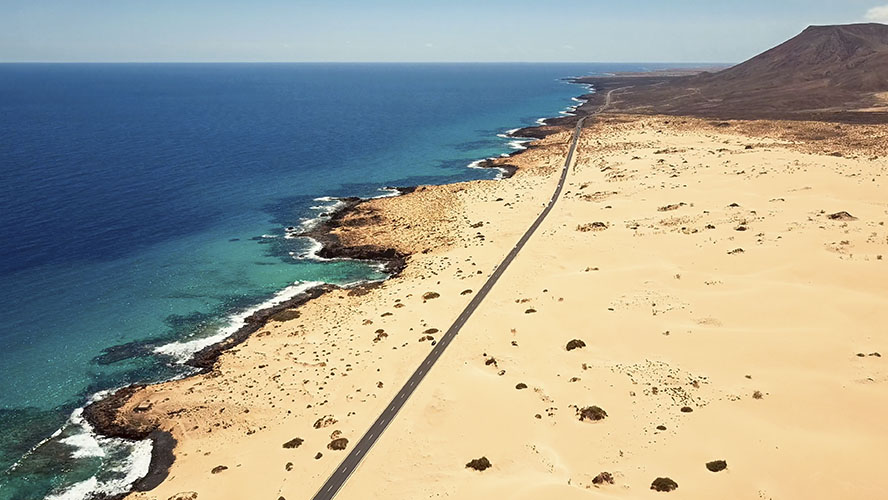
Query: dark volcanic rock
(334, 249)
(479, 464)
(549, 127)
(603, 478)
(663, 484)
(841, 216)
(206, 358)
(393, 259)
(686, 409)
(592, 226)
(521, 385)
(717, 465)
(294, 443)
(286, 315)
(430, 295)
(669, 208)
(162, 458)
(338, 444)
(185, 495)
(575, 344)
(325, 421)
(593, 413)
(219, 468)
(507, 169)
(102, 415)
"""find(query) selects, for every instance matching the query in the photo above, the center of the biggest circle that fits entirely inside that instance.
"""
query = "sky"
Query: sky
(411, 30)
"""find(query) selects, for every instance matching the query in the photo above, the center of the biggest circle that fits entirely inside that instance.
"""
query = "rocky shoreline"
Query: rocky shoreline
(333, 248)
(102, 416)
(105, 414)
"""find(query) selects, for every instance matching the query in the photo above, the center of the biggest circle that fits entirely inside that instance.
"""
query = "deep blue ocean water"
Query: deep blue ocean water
(147, 204)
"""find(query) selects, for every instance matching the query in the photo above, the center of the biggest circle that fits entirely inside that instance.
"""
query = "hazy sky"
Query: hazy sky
(412, 30)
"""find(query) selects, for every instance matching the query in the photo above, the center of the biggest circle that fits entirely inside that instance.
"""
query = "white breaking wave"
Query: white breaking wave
(380, 268)
(387, 192)
(477, 163)
(501, 172)
(182, 351)
(519, 144)
(312, 252)
(332, 205)
(134, 461)
(133, 467)
(77, 491)
(85, 446)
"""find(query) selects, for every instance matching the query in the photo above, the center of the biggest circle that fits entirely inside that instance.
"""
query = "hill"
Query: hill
(826, 72)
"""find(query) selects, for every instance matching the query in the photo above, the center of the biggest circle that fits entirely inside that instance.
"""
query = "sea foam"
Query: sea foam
(387, 192)
(331, 205)
(132, 459)
(501, 172)
(182, 351)
(133, 466)
(311, 253)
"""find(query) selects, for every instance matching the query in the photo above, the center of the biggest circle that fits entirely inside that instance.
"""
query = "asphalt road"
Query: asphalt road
(335, 482)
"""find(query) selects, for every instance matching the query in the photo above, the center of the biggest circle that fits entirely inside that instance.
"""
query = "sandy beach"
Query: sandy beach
(725, 279)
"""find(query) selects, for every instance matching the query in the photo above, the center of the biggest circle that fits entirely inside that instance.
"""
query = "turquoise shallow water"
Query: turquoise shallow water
(146, 204)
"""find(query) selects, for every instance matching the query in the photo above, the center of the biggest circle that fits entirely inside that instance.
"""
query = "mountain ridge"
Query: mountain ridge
(824, 71)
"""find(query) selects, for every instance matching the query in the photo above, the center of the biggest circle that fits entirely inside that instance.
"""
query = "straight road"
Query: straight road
(341, 475)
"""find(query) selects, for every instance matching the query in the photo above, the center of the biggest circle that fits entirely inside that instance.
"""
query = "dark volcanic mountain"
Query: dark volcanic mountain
(826, 72)
(853, 57)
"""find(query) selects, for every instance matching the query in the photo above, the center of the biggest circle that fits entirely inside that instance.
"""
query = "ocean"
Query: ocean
(144, 207)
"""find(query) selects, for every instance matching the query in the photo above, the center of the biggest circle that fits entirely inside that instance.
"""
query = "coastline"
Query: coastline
(442, 234)
(102, 414)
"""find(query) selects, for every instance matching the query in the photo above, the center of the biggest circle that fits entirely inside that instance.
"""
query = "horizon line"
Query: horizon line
(705, 63)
